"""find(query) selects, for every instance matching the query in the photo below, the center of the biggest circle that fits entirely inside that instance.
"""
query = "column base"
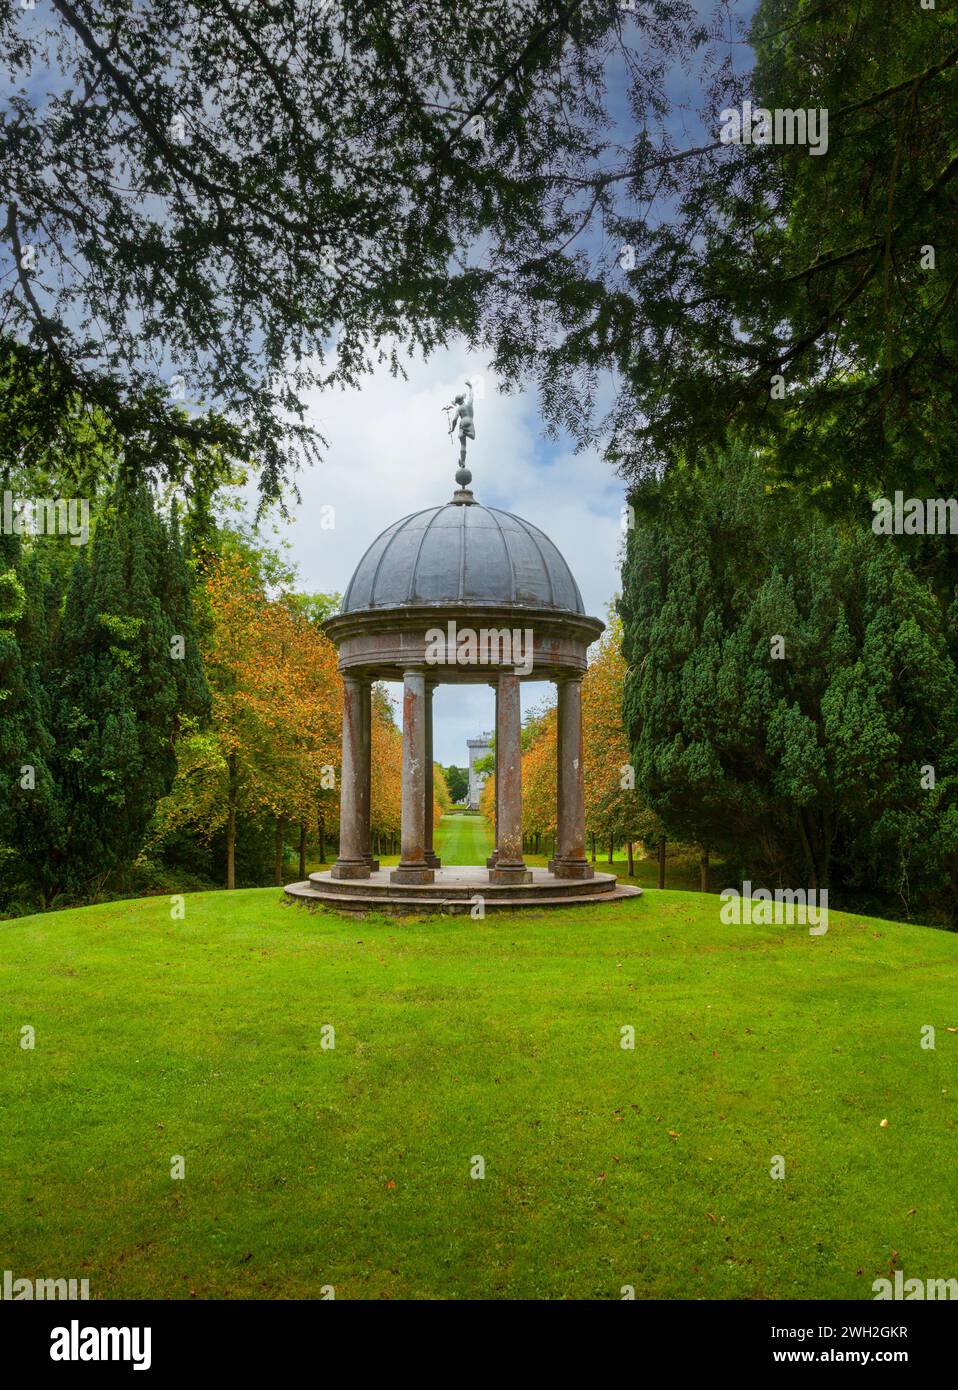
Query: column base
(510, 873)
(349, 868)
(432, 859)
(571, 868)
(412, 873)
(493, 859)
(373, 865)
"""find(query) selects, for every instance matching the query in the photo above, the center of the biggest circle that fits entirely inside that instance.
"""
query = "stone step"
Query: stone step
(449, 885)
(306, 895)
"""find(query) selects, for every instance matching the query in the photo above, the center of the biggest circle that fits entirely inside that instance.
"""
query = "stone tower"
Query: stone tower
(479, 748)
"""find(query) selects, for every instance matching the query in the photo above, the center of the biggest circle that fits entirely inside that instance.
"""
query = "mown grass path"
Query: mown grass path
(463, 840)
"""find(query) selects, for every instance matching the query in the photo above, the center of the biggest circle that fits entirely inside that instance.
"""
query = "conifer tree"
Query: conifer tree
(792, 695)
(127, 670)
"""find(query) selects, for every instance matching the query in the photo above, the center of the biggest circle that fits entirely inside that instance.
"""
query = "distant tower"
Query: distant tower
(479, 748)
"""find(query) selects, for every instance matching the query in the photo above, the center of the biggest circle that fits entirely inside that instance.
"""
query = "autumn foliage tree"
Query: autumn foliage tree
(539, 778)
(272, 744)
(613, 810)
(386, 754)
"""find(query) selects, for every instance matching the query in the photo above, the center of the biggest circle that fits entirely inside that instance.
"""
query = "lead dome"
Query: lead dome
(463, 554)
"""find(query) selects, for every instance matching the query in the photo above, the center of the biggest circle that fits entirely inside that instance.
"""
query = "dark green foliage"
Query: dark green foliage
(122, 688)
(94, 689)
(457, 780)
(812, 764)
(29, 813)
(723, 267)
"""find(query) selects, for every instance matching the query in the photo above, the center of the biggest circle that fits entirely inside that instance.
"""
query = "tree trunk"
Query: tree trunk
(537, 842)
(807, 850)
(662, 862)
(611, 848)
(704, 869)
(302, 850)
(231, 824)
(630, 850)
(592, 838)
(280, 836)
(321, 831)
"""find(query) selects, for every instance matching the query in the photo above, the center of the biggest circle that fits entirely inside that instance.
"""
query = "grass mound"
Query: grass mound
(350, 1166)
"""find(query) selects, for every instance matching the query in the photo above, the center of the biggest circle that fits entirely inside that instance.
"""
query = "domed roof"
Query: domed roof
(471, 555)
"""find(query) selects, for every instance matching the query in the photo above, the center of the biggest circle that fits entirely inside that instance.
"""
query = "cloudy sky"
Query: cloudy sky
(389, 455)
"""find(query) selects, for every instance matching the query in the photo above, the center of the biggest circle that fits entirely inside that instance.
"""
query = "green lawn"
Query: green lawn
(463, 840)
(454, 1038)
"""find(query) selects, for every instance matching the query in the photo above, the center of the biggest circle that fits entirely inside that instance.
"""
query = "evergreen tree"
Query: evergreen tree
(28, 807)
(127, 670)
(791, 698)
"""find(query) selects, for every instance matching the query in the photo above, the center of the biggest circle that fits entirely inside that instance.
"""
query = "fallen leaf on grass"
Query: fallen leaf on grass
(883, 1125)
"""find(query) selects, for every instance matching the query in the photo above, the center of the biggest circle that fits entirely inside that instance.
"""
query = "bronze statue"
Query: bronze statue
(462, 405)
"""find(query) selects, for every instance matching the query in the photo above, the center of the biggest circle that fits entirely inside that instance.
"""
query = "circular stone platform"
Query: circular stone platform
(456, 890)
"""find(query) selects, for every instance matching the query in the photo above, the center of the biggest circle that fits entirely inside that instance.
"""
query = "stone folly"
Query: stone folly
(463, 567)
(479, 748)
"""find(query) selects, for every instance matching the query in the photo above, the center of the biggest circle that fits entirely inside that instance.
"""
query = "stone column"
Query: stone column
(412, 867)
(491, 861)
(430, 856)
(366, 708)
(353, 783)
(510, 867)
(570, 860)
